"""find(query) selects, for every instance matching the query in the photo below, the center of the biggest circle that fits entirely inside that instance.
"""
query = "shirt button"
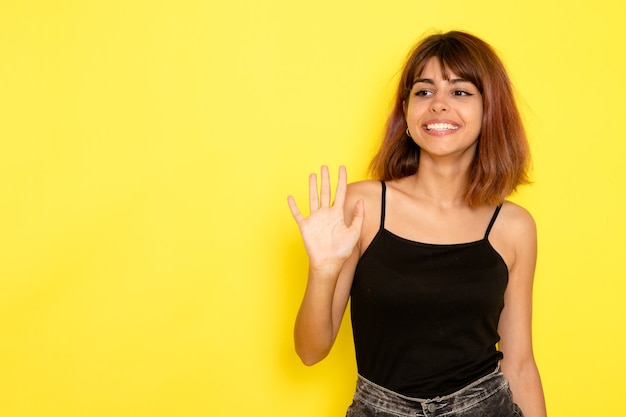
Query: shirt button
(432, 408)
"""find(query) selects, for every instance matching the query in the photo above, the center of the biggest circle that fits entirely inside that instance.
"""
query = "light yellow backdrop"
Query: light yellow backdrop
(149, 265)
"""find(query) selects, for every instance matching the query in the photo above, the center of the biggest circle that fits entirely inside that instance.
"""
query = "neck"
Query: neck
(442, 184)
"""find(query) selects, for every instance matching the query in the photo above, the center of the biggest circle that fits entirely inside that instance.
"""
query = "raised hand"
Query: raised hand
(327, 238)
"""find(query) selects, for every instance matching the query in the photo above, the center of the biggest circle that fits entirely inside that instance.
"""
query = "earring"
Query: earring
(408, 133)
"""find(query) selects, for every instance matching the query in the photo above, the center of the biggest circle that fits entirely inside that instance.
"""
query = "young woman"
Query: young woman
(438, 265)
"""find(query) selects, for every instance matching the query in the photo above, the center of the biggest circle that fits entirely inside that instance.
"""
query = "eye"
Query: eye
(423, 93)
(461, 93)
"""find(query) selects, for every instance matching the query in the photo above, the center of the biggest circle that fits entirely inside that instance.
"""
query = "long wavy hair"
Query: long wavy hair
(502, 156)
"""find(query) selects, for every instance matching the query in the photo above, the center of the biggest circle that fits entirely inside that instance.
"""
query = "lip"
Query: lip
(439, 132)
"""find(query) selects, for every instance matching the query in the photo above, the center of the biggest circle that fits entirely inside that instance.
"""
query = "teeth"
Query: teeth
(441, 126)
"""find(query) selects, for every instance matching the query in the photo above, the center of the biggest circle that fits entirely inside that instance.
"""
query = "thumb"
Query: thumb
(357, 217)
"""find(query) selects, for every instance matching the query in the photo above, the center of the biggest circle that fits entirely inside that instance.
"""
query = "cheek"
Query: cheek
(479, 128)
(477, 123)
(478, 117)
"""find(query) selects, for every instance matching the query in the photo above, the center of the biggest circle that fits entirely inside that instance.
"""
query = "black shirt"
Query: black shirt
(425, 316)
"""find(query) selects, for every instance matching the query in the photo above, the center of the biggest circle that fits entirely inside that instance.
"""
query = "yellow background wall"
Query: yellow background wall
(149, 265)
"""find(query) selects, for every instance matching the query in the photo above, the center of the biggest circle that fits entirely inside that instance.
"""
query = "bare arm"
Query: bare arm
(515, 328)
(331, 246)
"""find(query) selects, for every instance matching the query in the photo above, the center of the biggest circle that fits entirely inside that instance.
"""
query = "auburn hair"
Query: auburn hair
(502, 154)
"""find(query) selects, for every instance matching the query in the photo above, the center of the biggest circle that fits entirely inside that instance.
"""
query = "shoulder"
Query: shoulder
(514, 235)
(370, 191)
(365, 188)
(517, 221)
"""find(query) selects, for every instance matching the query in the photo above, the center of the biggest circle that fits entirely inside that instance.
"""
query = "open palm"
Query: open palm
(328, 240)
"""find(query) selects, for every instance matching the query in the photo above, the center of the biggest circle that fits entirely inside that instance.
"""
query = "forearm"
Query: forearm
(526, 387)
(314, 331)
(330, 239)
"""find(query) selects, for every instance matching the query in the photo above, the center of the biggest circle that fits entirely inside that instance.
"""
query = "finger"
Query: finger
(357, 217)
(325, 190)
(295, 211)
(313, 200)
(342, 185)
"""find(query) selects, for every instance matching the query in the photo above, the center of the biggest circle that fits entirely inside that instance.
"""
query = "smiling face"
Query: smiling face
(444, 113)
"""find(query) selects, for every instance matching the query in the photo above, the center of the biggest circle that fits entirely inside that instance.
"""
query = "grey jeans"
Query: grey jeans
(489, 396)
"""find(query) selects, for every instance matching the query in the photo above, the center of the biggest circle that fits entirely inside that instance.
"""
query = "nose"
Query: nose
(438, 105)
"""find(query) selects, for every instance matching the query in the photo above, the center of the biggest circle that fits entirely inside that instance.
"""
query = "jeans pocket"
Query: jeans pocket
(361, 409)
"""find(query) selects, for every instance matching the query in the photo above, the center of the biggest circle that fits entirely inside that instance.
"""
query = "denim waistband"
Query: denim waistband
(467, 397)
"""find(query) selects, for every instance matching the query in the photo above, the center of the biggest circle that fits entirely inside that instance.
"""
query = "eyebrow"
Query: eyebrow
(430, 81)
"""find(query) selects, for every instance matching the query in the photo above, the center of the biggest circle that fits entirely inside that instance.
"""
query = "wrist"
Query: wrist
(327, 269)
